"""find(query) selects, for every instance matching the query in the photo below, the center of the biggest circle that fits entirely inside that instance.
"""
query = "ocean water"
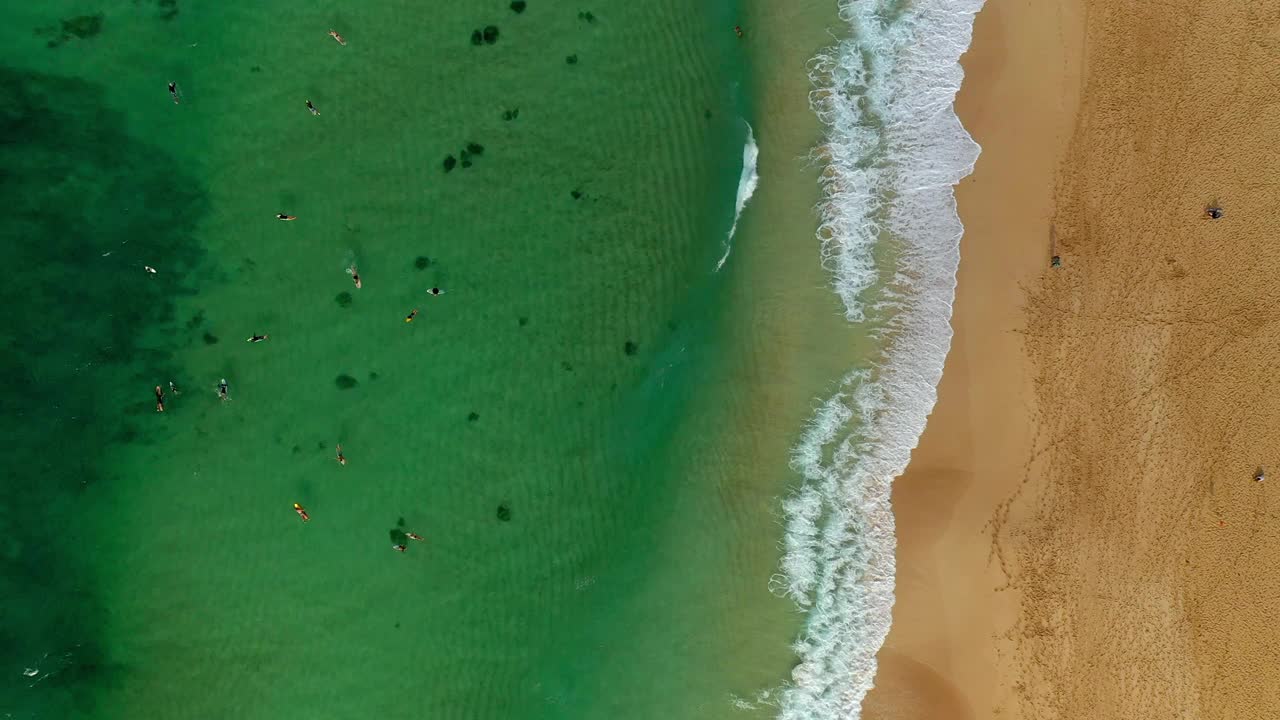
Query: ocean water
(893, 152)
(531, 423)
(592, 427)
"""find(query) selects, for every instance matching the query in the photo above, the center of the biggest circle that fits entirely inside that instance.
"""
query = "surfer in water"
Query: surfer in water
(415, 536)
(334, 34)
(159, 399)
(411, 316)
(174, 388)
(223, 389)
(312, 108)
(257, 338)
(342, 459)
(302, 512)
(355, 275)
(282, 216)
(400, 548)
(173, 92)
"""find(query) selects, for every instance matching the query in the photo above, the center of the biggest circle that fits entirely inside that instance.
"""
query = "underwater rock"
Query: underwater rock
(422, 262)
(511, 114)
(572, 59)
(475, 148)
(466, 159)
(524, 321)
(517, 6)
(373, 375)
(210, 338)
(577, 194)
(343, 299)
(474, 416)
(587, 16)
(504, 512)
(450, 162)
(491, 34)
(82, 26)
(477, 38)
(345, 382)
(630, 348)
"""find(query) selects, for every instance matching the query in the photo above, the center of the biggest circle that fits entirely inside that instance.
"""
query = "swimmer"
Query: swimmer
(174, 388)
(355, 275)
(411, 316)
(257, 338)
(435, 291)
(400, 548)
(342, 459)
(149, 269)
(334, 34)
(312, 108)
(222, 389)
(737, 30)
(159, 399)
(282, 216)
(302, 512)
(415, 536)
(173, 92)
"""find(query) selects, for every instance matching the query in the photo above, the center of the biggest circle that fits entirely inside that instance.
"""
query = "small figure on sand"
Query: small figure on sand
(342, 459)
(411, 315)
(415, 536)
(334, 34)
(1213, 212)
(302, 512)
(355, 275)
(312, 108)
(173, 92)
(282, 216)
(1259, 475)
(223, 389)
(435, 291)
(159, 399)
(257, 338)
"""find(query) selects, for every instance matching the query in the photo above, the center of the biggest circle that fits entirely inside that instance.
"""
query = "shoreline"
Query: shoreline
(1018, 100)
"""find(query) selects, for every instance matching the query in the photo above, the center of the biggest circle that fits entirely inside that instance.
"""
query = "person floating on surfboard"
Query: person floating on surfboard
(342, 459)
(302, 512)
(334, 34)
(415, 536)
(159, 399)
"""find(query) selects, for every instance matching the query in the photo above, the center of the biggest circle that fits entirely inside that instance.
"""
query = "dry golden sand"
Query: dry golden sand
(1080, 534)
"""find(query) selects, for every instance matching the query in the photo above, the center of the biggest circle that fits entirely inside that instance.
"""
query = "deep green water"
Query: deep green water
(152, 564)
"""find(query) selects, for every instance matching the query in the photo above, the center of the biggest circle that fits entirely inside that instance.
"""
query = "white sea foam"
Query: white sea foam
(747, 182)
(894, 151)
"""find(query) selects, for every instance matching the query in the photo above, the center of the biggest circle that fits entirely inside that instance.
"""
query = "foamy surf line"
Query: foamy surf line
(747, 182)
(894, 152)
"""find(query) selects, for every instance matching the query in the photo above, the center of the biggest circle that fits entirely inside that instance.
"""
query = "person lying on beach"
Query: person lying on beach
(355, 275)
(173, 92)
(1260, 475)
(342, 459)
(159, 399)
(1213, 212)
(334, 34)
(223, 389)
(312, 108)
(282, 216)
(257, 338)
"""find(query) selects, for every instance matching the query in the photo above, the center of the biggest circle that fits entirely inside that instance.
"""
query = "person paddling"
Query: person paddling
(334, 34)
(159, 399)
(282, 216)
(173, 92)
(342, 459)
(302, 512)
(411, 316)
(355, 275)
(223, 389)
(312, 108)
(257, 338)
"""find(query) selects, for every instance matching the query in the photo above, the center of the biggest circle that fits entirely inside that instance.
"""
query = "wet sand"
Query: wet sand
(1080, 531)
(941, 659)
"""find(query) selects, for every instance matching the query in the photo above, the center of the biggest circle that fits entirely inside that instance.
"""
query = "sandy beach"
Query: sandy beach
(1080, 532)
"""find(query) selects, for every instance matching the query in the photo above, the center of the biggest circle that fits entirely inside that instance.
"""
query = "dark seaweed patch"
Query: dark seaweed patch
(504, 512)
(422, 262)
(450, 162)
(630, 348)
(473, 416)
(344, 299)
(345, 382)
(490, 34)
(210, 338)
(477, 37)
(571, 59)
(80, 27)
(518, 6)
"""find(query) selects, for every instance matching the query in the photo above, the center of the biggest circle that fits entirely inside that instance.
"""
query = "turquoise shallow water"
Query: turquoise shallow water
(532, 423)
